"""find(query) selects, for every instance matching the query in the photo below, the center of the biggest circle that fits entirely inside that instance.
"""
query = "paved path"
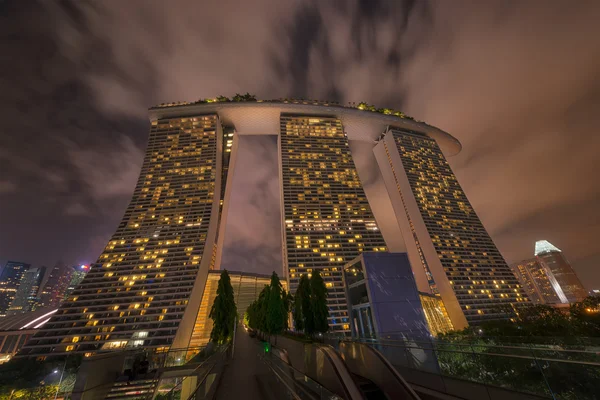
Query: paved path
(247, 376)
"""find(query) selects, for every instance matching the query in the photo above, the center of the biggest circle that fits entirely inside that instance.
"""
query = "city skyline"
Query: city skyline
(90, 103)
(290, 199)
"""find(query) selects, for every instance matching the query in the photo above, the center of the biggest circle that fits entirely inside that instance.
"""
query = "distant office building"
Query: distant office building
(449, 248)
(536, 281)
(77, 272)
(27, 296)
(55, 287)
(10, 279)
(384, 302)
(246, 288)
(564, 280)
(548, 277)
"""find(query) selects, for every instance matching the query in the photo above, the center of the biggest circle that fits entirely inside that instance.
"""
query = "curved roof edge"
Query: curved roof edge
(262, 117)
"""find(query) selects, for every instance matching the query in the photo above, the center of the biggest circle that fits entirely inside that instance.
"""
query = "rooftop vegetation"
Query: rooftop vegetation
(238, 98)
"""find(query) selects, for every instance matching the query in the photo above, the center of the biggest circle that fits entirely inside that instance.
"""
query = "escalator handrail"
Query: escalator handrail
(291, 390)
(351, 390)
(389, 366)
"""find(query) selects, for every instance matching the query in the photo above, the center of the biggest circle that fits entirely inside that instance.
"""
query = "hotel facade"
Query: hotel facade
(147, 287)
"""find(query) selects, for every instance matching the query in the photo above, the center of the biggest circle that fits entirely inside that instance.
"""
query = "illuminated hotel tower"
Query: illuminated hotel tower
(146, 287)
(327, 219)
(449, 249)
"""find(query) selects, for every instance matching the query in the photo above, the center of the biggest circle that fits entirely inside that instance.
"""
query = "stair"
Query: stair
(141, 389)
(369, 390)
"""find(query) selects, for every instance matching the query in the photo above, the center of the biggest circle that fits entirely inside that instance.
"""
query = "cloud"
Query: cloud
(110, 171)
(155, 53)
(7, 187)
(517, 83)
(76, 210)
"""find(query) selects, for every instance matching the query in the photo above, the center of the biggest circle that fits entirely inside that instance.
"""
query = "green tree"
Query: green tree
(297, 314)
(248, 97)
(304, 293)
(318, 302)
(276, 310)
(223, 311)
(263, 302)
(586, 315)
(252, 314)
(288, 301)
(24, 376)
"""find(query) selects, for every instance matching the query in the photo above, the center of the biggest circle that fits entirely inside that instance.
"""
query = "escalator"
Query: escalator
(357, 371)
(376, 377)
(369, 390)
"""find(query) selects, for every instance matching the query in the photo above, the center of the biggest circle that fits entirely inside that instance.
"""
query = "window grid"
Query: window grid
(327, 218)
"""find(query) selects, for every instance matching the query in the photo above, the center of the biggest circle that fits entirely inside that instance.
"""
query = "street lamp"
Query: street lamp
(61, 377)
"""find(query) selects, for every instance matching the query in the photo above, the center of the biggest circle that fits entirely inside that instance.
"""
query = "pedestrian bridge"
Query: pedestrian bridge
(289, 368)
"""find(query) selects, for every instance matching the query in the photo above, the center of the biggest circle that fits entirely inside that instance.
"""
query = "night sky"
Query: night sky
(518, 83)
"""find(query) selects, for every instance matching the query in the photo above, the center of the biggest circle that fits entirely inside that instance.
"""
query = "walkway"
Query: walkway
(247, 376)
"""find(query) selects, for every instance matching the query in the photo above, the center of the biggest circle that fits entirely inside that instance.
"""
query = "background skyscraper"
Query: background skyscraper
(10, 279)
(27, 296)
(556, 263)
(536, 282)
(55, 287)
(551, 274)
(450, 251)
(76, 275)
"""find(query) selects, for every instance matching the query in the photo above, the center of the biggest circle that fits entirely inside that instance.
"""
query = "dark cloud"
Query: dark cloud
(516, 82)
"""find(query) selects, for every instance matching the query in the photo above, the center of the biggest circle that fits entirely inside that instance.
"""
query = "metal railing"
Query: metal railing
(207, 382)
(154, 360)
(200, 374)
(546, 371)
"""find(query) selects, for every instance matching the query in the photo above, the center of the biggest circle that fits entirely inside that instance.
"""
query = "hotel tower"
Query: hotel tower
(147, 286)
(450, 251)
